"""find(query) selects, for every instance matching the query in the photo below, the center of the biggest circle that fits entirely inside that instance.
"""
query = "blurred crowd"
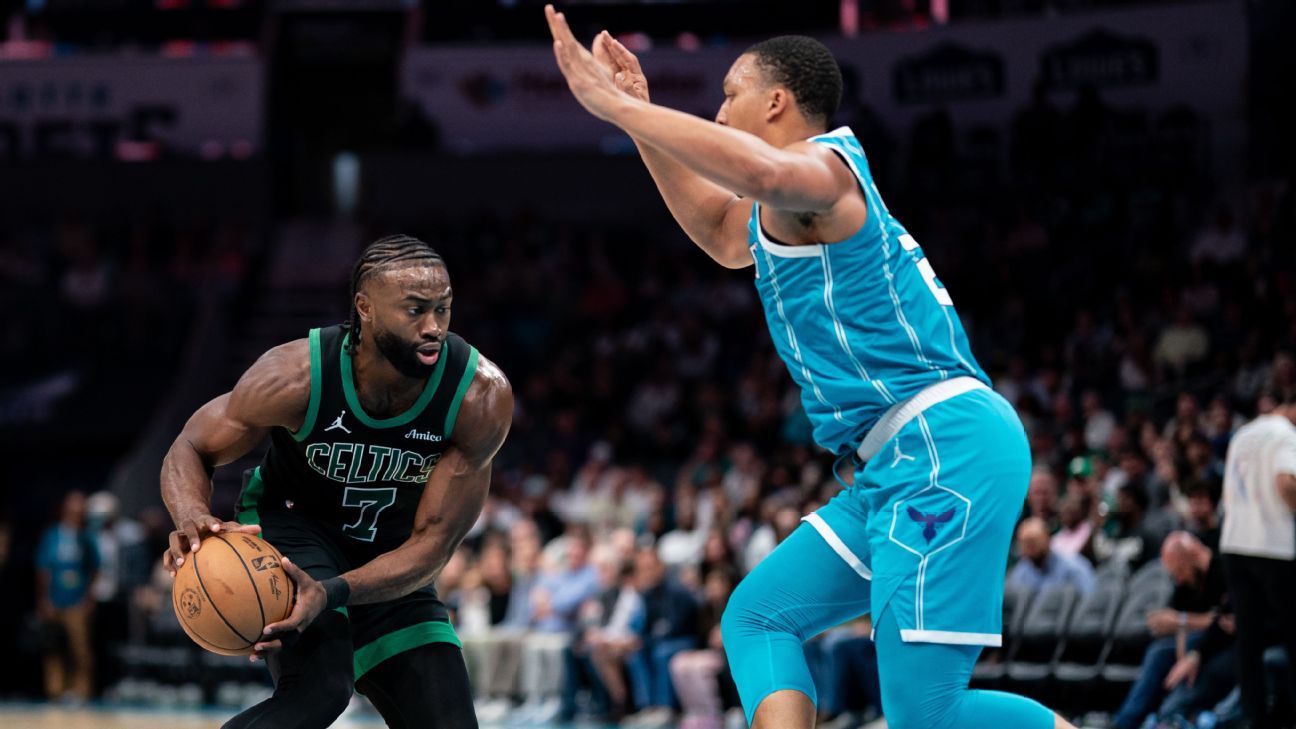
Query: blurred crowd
(1133, 314)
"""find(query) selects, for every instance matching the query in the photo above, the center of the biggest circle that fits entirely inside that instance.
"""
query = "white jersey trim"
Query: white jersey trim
(952, 637)
(808, 250)
(838, 545)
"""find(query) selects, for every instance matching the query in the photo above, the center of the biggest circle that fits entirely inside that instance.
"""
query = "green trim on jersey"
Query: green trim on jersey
(317, 386)
(247, 505)
(453, 413)
(348, 389)
(371, 654)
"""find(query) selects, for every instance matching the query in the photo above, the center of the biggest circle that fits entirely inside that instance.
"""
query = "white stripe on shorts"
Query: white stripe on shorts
(838, 545)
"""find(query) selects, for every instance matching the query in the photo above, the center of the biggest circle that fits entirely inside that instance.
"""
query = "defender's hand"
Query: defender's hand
(189, 534)
(622, 65)
(310, 603)
(590, 82)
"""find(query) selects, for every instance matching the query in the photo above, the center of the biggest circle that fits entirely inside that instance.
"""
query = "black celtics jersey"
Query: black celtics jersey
(361, 476)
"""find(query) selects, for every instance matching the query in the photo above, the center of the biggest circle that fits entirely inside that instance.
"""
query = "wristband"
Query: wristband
(336, 592)
(1183, 620)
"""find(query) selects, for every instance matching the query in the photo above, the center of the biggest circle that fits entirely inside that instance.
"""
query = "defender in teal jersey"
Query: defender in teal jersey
(869, 333)
(382, 432)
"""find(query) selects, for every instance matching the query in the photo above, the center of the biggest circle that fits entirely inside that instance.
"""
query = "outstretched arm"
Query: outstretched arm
(275, 390)
(451, 503)
(802, 177)
(714, 218)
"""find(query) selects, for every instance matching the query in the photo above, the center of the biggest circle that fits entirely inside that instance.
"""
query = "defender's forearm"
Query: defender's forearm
(736, 161)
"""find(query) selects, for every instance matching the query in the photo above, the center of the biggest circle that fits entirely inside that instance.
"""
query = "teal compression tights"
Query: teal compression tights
(803, 588)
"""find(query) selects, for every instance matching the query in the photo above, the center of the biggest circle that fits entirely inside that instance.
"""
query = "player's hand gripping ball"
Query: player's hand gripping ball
(229, 589)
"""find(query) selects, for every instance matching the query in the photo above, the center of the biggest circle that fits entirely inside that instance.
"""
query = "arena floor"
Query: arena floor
(45, 716)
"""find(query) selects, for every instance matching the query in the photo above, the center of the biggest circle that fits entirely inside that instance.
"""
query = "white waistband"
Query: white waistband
(902, 412)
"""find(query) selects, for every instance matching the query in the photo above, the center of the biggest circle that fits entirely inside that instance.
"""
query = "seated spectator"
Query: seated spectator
(555, 600)
(1204, 675)
(1203, 510)
(1134, 532)
(1040, 568)
(494, 658)
(670, 626)
(701, 677)
(1076, 532)
(1042, 498)
(610, 625)
(1199, 593)
(682, 546)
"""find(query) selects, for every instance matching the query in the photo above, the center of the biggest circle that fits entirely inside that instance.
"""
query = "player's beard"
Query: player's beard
(402, 355)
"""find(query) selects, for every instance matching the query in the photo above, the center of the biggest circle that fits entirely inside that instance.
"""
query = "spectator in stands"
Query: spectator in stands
(1203, 510)
(1076, 531)
(1206, 673)
(67, 562)
(701, 677)
(609, 630)
(1134, 532)
(1098, 421)
(1040, 568)
(495, 657)
(1181, 345)
(682, 546)
(556, 599)
(1042, 498)
(670, 626)
(122, 566)
(1199, 593)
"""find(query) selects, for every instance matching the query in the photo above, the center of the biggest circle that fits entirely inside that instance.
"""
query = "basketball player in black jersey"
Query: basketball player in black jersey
(382, 432)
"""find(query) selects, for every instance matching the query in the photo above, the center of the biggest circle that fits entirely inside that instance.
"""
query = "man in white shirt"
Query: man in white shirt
(1259, 546)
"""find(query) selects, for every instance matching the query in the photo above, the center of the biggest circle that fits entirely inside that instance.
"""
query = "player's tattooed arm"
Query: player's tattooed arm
(803, 177)
(451, 503)
(275, 390)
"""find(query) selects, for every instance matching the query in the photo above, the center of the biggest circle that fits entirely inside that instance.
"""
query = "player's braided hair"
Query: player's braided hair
(393, 250)
(805, 67)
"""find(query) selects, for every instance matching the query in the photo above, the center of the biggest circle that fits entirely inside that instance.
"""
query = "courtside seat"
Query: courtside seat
(1079, 661)
(990, 667)
(1035, 652)
(1149, 589)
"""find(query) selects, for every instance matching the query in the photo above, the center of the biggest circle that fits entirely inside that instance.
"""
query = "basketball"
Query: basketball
(229, 590)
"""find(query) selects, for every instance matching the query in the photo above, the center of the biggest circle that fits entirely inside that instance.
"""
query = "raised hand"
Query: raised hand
(589, 79)
(622, 65)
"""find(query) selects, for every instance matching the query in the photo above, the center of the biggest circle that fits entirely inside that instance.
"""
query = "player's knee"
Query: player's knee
(332, 697)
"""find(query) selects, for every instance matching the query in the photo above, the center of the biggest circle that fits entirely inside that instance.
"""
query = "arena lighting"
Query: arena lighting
(131, 151)
(179, 49)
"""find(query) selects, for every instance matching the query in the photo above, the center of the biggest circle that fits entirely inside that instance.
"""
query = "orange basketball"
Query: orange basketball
(229, 590)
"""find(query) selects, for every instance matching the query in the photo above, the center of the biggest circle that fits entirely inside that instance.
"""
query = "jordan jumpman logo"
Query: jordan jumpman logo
(337, 424)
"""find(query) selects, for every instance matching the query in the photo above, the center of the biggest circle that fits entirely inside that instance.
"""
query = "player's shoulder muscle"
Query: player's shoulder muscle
(486, 413)
(276, 389)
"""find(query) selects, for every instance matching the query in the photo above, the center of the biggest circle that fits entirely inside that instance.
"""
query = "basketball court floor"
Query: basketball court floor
(46, 716)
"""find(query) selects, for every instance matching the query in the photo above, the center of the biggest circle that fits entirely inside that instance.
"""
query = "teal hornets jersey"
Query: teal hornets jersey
(861, 324)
